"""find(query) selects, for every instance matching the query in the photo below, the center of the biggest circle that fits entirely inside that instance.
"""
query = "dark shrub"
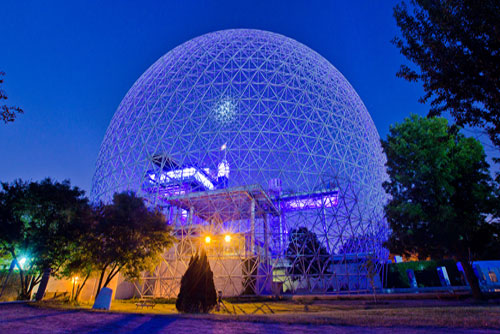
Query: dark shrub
(425, 273)
(197, 293)
(427, 278)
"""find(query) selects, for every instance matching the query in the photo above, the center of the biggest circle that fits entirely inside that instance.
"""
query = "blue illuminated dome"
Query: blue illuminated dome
(240, 108)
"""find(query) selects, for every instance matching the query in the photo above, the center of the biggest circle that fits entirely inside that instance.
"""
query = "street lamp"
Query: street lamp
(74, 280)
(21, 262)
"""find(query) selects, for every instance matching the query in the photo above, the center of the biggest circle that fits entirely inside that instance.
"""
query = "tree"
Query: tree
(441, 192)
(365, 243)
(37, 221)
(456, 47)
(486, 242)
(8, 114)
(197, 293)
(81, 262)
(306, 254)
(370, 266)
(125, 237)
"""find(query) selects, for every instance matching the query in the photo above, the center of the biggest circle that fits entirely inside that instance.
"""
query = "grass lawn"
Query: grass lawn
(465, 315)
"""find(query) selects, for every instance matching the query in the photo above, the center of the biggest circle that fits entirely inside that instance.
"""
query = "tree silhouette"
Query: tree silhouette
(306, 254)
(124, 236)
(39, 222)
(456, 46)
(197, 293)
(127, 237)
(358, 244)
(8, 114)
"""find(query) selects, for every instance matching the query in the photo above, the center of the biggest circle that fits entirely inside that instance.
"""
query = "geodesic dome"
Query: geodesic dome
(255, 113)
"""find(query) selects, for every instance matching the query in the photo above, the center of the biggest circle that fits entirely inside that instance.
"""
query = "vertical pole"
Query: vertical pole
(284, 235)
(325, 229)
(252, 226)
(170, 215)
(281, 241)
(267, 268)
(190, 216)
(280, 228)
(266, 240)
(189, 226)
(73, 289)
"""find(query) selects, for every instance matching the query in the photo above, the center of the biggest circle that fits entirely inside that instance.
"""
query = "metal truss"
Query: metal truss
(252, 135)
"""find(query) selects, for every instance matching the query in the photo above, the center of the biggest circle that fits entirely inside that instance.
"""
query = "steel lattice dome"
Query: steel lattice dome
(267, 106)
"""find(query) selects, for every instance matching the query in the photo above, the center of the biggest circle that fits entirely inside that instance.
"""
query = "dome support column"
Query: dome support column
(252, 227)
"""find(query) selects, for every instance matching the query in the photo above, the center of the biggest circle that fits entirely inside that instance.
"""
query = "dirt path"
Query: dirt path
(20, 318)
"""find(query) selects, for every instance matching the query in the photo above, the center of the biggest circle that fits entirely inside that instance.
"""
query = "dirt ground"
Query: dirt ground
(24, 318)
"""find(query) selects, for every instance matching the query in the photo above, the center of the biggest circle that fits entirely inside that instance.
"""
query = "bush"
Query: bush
(427, 278)
(197, 293)
(425, 273)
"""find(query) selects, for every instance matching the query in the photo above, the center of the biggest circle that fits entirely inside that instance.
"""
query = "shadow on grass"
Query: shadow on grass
(38, 316)
(152, 324)
(155, 324)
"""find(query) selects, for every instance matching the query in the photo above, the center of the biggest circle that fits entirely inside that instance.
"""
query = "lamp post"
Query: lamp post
(74, 281)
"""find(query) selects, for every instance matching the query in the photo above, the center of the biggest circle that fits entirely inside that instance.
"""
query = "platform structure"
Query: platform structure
(245, 232)
(232, 226)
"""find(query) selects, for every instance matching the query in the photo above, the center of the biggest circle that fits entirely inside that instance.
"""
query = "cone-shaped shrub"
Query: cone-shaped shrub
(197, 293)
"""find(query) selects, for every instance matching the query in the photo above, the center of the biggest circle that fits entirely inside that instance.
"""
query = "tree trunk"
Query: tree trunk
(43, 284)
(24, 288)
(100, 282)
(79, 288)
(372, 283)
(472, 279)
(111, 275)
(23, 292)
(31, 282)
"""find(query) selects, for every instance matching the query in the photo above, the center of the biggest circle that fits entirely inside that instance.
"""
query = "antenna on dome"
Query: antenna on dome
(223, 148)
(223, 169)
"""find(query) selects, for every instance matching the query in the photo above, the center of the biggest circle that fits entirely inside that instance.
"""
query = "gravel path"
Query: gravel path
(20, 318)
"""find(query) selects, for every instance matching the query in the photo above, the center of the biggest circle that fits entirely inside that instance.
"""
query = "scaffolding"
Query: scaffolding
(267, 110)
(245, 232)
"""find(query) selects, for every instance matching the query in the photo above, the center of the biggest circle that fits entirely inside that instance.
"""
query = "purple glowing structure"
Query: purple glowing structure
(253, 135)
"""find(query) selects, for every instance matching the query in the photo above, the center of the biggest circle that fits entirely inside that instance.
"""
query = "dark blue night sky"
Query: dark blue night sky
(69, 64)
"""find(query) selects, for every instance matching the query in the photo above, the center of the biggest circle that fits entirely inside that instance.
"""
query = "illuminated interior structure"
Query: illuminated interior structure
(257, 149)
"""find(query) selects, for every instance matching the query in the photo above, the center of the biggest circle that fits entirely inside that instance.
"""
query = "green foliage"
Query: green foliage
(306, 254)
(51, 225)
(39, 222)
(197, 293)
(440, 187)
(7, 113)
(81, 258)
(125, 237)
(456, 47)
(425, 272)
(442, 195)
